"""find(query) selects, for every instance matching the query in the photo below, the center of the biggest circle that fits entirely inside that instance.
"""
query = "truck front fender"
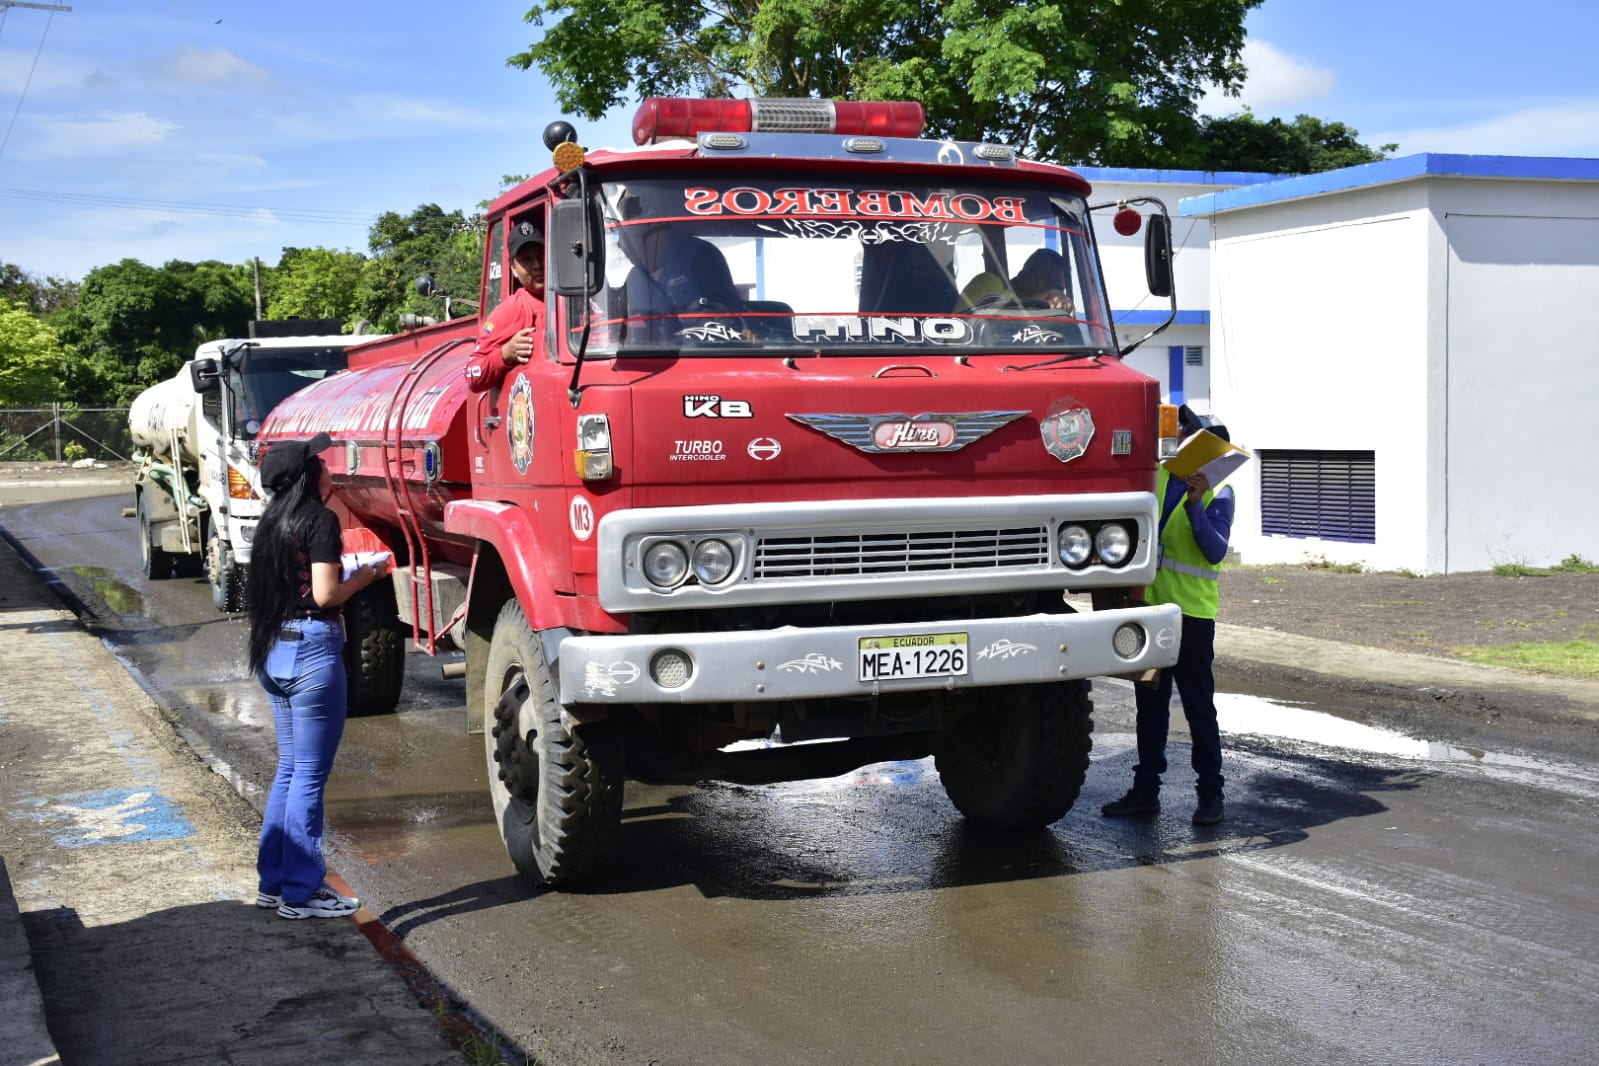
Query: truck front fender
(512, 536)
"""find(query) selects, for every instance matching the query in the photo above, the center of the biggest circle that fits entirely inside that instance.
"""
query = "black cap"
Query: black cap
(522, 233)
(285, 460)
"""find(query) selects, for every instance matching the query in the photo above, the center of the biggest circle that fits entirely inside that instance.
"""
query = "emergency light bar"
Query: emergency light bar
(661, 117)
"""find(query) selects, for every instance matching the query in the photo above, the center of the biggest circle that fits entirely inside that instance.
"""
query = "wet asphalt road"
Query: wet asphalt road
(1378, 901)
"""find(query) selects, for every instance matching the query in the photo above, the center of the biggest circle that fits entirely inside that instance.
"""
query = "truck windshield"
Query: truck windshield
(265, 377)
(772, 264)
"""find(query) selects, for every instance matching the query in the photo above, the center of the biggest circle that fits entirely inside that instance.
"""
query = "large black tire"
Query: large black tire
(225, 576)
(374, 650)
(157, 561)
(1020, 766)
(557, 789)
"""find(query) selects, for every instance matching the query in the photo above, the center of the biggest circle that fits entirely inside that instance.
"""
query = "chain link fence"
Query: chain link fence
(64, 433)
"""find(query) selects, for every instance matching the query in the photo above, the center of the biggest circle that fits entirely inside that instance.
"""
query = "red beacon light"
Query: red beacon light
(661, 117)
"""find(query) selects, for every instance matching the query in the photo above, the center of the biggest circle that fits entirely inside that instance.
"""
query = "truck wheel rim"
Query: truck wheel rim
(514, 740)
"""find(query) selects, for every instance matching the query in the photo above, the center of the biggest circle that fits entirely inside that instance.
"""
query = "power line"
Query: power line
(7, 6)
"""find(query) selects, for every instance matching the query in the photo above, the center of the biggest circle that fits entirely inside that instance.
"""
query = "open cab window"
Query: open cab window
(785, 265)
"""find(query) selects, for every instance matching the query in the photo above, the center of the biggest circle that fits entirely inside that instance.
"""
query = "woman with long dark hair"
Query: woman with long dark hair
(296, 587)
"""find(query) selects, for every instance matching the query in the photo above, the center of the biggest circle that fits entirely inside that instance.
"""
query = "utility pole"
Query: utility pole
(257, 261)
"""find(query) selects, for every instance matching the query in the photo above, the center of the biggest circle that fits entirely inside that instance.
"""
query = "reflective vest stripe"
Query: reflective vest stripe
(1203, 573)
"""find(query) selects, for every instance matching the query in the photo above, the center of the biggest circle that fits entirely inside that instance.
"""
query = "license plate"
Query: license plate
(919, 655)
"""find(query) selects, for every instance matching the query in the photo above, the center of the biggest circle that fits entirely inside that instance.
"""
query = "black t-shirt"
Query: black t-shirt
(322, 545)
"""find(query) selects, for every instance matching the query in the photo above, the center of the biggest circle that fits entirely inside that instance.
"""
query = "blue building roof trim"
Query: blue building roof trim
(1174, 177)
(1155, 318)
(1391, 171)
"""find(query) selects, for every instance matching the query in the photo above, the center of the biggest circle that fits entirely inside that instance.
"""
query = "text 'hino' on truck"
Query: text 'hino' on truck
(798, 479)
(197, 490)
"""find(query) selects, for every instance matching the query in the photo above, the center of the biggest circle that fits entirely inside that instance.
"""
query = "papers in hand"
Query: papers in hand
(353, 561)
(1207, 453)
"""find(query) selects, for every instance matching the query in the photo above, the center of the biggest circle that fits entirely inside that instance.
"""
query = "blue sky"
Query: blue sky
(215, 129)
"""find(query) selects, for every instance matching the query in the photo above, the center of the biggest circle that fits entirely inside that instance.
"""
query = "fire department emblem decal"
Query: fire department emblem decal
(519, 424)
(905, 433)
(1067, 429)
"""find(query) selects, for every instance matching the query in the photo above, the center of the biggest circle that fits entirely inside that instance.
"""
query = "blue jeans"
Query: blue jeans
(305, 681)
(1197, 686)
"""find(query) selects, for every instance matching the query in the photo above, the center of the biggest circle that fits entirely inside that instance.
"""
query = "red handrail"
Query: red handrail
(400, 489)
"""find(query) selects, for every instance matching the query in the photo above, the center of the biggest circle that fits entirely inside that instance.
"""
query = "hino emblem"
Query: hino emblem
(906, 433)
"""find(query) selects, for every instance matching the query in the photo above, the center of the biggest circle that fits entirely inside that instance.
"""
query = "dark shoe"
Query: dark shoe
(1135, 804)
(1209, 811)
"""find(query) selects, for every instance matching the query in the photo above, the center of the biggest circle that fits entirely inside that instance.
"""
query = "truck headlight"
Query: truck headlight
(1074, 545)
(1113, 543)
(713, 561)
(665, 564)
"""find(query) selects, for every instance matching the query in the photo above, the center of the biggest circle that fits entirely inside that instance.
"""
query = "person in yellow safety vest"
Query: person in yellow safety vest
(1196, 522)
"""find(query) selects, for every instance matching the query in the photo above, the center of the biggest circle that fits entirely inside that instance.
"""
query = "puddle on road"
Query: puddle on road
(113, 591)
(1246, 714)
(245, 705)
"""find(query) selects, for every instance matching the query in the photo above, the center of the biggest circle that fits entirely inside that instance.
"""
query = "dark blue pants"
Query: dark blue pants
(305, 681)
(1197, 687)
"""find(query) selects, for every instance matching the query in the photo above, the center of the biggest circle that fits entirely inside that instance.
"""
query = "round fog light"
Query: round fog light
(671, 668)
(1128, 640)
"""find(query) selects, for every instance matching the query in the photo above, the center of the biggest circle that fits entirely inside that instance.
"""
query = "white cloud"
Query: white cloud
(111, 133)
(232, 160)
(215, 68)
(1276, 82)
(1564, 128)
(51, 74)
(419, 113)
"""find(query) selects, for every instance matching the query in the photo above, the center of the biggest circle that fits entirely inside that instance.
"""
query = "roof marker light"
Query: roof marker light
(661, 117)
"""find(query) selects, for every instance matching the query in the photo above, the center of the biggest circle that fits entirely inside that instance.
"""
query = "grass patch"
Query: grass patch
(1399, 603)
(1405, 571)
(1272, 581)
(1518, 570)
(1321, 562)
(1576, 564)
(1568, 658)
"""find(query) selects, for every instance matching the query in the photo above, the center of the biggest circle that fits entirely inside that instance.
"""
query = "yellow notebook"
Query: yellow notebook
(1207, 452)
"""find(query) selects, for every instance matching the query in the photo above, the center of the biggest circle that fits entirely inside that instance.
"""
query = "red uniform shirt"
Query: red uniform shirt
(487, 367)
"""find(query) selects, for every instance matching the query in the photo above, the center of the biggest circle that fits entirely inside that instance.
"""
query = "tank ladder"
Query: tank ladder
(400, 489)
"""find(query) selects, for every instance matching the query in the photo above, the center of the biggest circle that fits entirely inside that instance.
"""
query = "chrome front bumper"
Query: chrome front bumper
(807, 664)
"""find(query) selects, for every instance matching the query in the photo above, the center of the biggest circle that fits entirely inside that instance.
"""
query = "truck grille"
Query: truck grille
(921, 552)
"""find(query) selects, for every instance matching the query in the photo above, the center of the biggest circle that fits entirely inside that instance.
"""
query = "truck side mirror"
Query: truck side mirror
(205, 375)
(1157, 255)
(577, 249)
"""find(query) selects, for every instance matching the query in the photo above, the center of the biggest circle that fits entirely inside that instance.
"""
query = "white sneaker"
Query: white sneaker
(326, 903)
(268, 902)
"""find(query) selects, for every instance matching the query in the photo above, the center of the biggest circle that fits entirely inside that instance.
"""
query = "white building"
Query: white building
(1180, 357)
(1411, 350)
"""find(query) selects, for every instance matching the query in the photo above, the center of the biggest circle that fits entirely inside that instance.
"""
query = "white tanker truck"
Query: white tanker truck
(197, 492)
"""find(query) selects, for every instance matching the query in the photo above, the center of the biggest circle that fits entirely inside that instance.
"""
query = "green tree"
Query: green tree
(31, 358)
(446, 246)
(1307, 145)
(135, 324)
(1092, 81)
(43, 296)
(315, 283)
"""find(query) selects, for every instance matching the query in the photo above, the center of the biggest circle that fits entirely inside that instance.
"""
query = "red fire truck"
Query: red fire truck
(810, 472)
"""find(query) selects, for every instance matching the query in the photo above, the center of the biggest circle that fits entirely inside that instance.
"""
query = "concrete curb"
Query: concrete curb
(1402, 672)
(27, 1038)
